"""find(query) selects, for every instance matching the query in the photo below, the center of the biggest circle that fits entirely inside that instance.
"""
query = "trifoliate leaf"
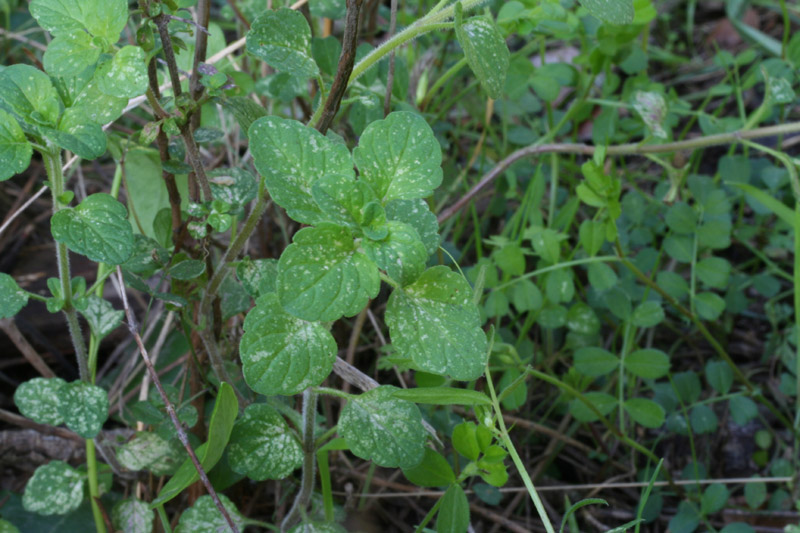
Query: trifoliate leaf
(40, 398)
(84, 408)
(401, 254)
(379, 427)
(15, 150)
(486, 53)
(55, 488)
(125, 74)
(261, 446)
(97, 228)
(399, 157)
(434, 322)
(132, 516)
(102, 18)
(204, 517)
(70, 53)
(282, 354)
(12, 297)
(282, 39)
(28, 93)
(417, 214)
(78, 134)
(291, 157)
(322, 275)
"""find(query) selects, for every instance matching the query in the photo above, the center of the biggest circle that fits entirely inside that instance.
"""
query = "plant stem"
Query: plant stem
(303, 497)
(94, 487)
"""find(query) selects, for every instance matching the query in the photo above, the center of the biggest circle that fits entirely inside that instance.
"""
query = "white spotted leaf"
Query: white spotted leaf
(101, 18)
(7, 527)
(40, 398)
(291, 157)
(343, 199)
(282, 39)
(417, 214)
(257, 275)
(29, 94)
(399, 157)
(282, 354)
(611, 11)
(12, 297)
(81, 92)
(55, 488)
(381, 428)
(132, 516)
(100, 314)
(486, 52)
(84, 408)
(149, 451)
(262, 446)
(15, 150)
(125, 74)
(97, 228)
(70, 53)
(204, 517)
(78, 134)
(400, 254)
(435, 323)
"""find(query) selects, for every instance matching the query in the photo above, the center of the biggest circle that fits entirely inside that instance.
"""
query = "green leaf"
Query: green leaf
(83, 92)
(7, 527)
(282, 39)
(223, 418)
(204, 517)
(186, 270)
(148, 451)
(78, 134)
(742, 410)
(443, 396)
(290, 157)
(379, 427)
(645, 412)
(417, 214)
(28, 93)
(453, 514)
(647, 314)
(703, 419)
(647, 363)
(709, 305)
(433, 471)
(465, 440)
(102, 18)
(399, 157)
(593, 361)
(15, 150)
(435, 323)
(332, 9)
(720, 376)
(342, 199)
(55, 488)
(714, 272)
(70, 53)
(611, 11)
(97, 228)
(234, 186)
(605, 403)
(39, 399)
(257, 275)
(322, 275)
(84, 408)
(714, 498)
(755, 494)
(526, 296)
(132, 516)
(262, 446)
(401, 254)
(685, 520)
(282, 354)
(101, 315)
(601, 276)
(316, 527)
(486, 52)
(780, 210)
(125, 74)
(12, 297)
(681, 218)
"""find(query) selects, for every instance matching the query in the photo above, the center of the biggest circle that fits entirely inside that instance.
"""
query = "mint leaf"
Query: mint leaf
(12, 297)
(257, 275)
(55, 488)
(28, 93)
(84, 408)
(102, 18)
(148, 451)
(434, 322)
(342, 198)
(379, 427)
(101, 315)
(78, 134)
(83, 93)
(15, 150)
(322, 275)
(262, 446)
(132, 516)
(417, 214)
(204, 517)
(40, 398)
(234, 186)
(290, 157)
(282, 354)
(399, 157)
(97, 228)
(611, 11)
(401, 254)
(125, 74)
(282, 39)
(486, 53)
(70, 53)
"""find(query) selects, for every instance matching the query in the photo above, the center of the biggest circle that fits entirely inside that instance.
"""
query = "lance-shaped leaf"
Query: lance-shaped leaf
(100, 314)
(15, 150)
(322, 275)
(204, 517)
(84, 408)
(102, 18)
(282, 354)
(399, 157)
(39, 399)
(417, 214)
(486, 52)
(132, 516)
(379, 427)
(290, 157)
(282, 39)
(434, 322)
(125, 74)
(28, 93)
(70, 53)
(12, 297)
(262, 447)
(97, 228)
(401, 253)
(55, 488)
(78, 134)
(612, 11)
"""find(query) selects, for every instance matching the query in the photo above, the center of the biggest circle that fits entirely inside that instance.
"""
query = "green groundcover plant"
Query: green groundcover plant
(576, 271)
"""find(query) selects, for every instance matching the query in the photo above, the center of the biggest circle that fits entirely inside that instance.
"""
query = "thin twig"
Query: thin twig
(10, 328)
(168, 405)
(387, 101)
